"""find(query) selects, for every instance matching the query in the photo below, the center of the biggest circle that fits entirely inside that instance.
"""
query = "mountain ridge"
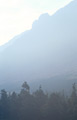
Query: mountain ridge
(48, 49)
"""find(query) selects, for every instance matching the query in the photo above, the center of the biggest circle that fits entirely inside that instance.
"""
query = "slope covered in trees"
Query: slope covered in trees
(38, 105)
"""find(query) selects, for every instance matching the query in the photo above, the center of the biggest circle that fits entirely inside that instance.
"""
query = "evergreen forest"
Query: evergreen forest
(38, 105)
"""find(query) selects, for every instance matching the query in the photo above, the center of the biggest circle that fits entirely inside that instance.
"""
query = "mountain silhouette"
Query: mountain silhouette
(48, 49)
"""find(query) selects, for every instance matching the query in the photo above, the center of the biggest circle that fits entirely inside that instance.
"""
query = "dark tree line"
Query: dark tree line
(38, 105)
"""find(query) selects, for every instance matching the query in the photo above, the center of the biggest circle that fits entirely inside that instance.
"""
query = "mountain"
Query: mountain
(49, 49)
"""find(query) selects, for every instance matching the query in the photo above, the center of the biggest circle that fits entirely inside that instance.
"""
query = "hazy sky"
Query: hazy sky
(17, 16)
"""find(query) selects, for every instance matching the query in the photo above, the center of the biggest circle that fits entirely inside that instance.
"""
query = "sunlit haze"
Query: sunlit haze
(17, 16)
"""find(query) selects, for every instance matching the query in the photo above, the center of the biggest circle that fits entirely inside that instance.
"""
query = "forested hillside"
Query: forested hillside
(38, 105)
